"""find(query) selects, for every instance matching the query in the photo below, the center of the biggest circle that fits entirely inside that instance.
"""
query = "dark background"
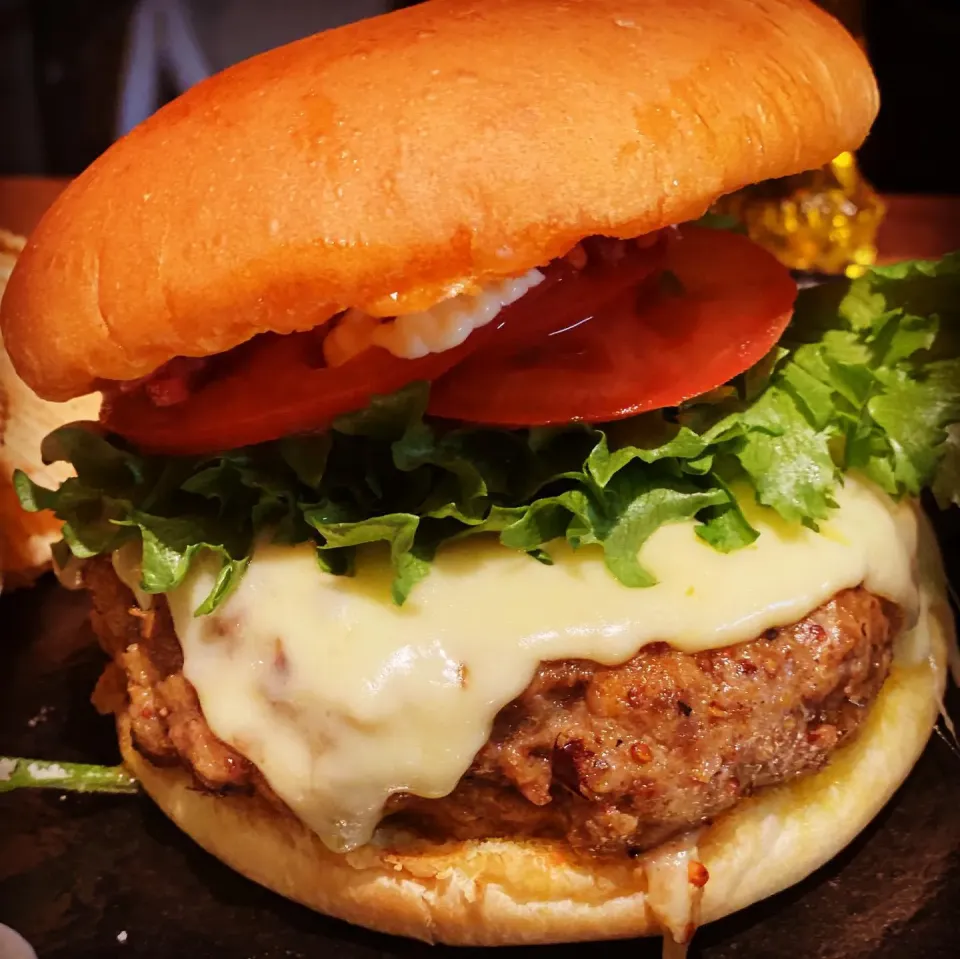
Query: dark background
(61, 61)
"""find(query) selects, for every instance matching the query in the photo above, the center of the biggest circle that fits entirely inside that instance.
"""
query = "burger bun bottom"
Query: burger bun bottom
(499, 892)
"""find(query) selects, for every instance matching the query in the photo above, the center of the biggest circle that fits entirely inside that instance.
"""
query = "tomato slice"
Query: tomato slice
(271, 387)
(615, 355)
(276, 386)
(597, 344)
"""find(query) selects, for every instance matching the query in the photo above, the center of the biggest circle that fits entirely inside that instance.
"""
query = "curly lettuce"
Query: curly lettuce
(866, 378)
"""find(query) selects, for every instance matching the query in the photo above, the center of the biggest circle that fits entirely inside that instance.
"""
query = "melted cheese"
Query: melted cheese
(671, 895)
(342, 699)
(126, 564)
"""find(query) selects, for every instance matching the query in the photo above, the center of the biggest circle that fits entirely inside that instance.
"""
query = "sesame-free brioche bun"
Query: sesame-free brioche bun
(379, 164)
(498, 892)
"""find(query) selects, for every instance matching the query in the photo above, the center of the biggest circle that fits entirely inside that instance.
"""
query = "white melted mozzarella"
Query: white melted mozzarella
(440, 328)
(342, 699)
(126, 564)
(671, 894)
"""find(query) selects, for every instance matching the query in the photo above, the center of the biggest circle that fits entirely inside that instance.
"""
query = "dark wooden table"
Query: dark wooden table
(94, 877)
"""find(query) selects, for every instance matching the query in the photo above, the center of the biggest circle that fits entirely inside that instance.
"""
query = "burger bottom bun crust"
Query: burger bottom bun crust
(499, 892)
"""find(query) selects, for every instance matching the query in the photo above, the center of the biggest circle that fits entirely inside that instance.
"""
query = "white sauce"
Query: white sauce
(341, 698)
(440, 328)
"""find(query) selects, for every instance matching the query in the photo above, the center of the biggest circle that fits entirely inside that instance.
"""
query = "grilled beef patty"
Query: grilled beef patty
(614, 759)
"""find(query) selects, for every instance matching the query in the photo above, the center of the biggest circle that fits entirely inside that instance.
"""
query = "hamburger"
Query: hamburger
(487, 551)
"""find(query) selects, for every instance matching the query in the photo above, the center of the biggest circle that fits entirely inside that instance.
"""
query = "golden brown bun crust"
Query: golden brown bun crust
(461, 138)
(25, 538)
(501, 892)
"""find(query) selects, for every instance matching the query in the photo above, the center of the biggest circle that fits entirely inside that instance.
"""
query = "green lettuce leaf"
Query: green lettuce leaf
(946, 484)
(866, 378)
(786, 457)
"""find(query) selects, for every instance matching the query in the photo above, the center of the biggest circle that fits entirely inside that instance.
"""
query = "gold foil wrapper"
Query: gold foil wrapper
(823, 221)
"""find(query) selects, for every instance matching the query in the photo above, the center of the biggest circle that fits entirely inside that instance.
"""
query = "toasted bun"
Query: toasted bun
(25, 538)
(400, 155)
(500, 892)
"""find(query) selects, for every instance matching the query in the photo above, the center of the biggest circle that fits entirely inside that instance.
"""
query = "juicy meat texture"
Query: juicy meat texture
(614, 759)
(167, 723)
(620, 758)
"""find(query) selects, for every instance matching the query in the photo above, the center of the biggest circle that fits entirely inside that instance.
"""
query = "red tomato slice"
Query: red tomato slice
(615, 355)
(276, 386)
(271, 387)
(594, 345)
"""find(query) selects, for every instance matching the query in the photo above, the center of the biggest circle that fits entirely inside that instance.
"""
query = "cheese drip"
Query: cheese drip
(341, 698)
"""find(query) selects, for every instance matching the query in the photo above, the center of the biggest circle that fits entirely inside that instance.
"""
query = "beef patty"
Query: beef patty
(615, 759)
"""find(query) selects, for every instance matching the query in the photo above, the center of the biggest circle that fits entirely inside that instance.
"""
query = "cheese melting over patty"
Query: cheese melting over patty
(341, 698)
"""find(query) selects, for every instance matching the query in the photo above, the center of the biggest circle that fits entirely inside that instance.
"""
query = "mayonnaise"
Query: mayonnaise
(440, 328)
